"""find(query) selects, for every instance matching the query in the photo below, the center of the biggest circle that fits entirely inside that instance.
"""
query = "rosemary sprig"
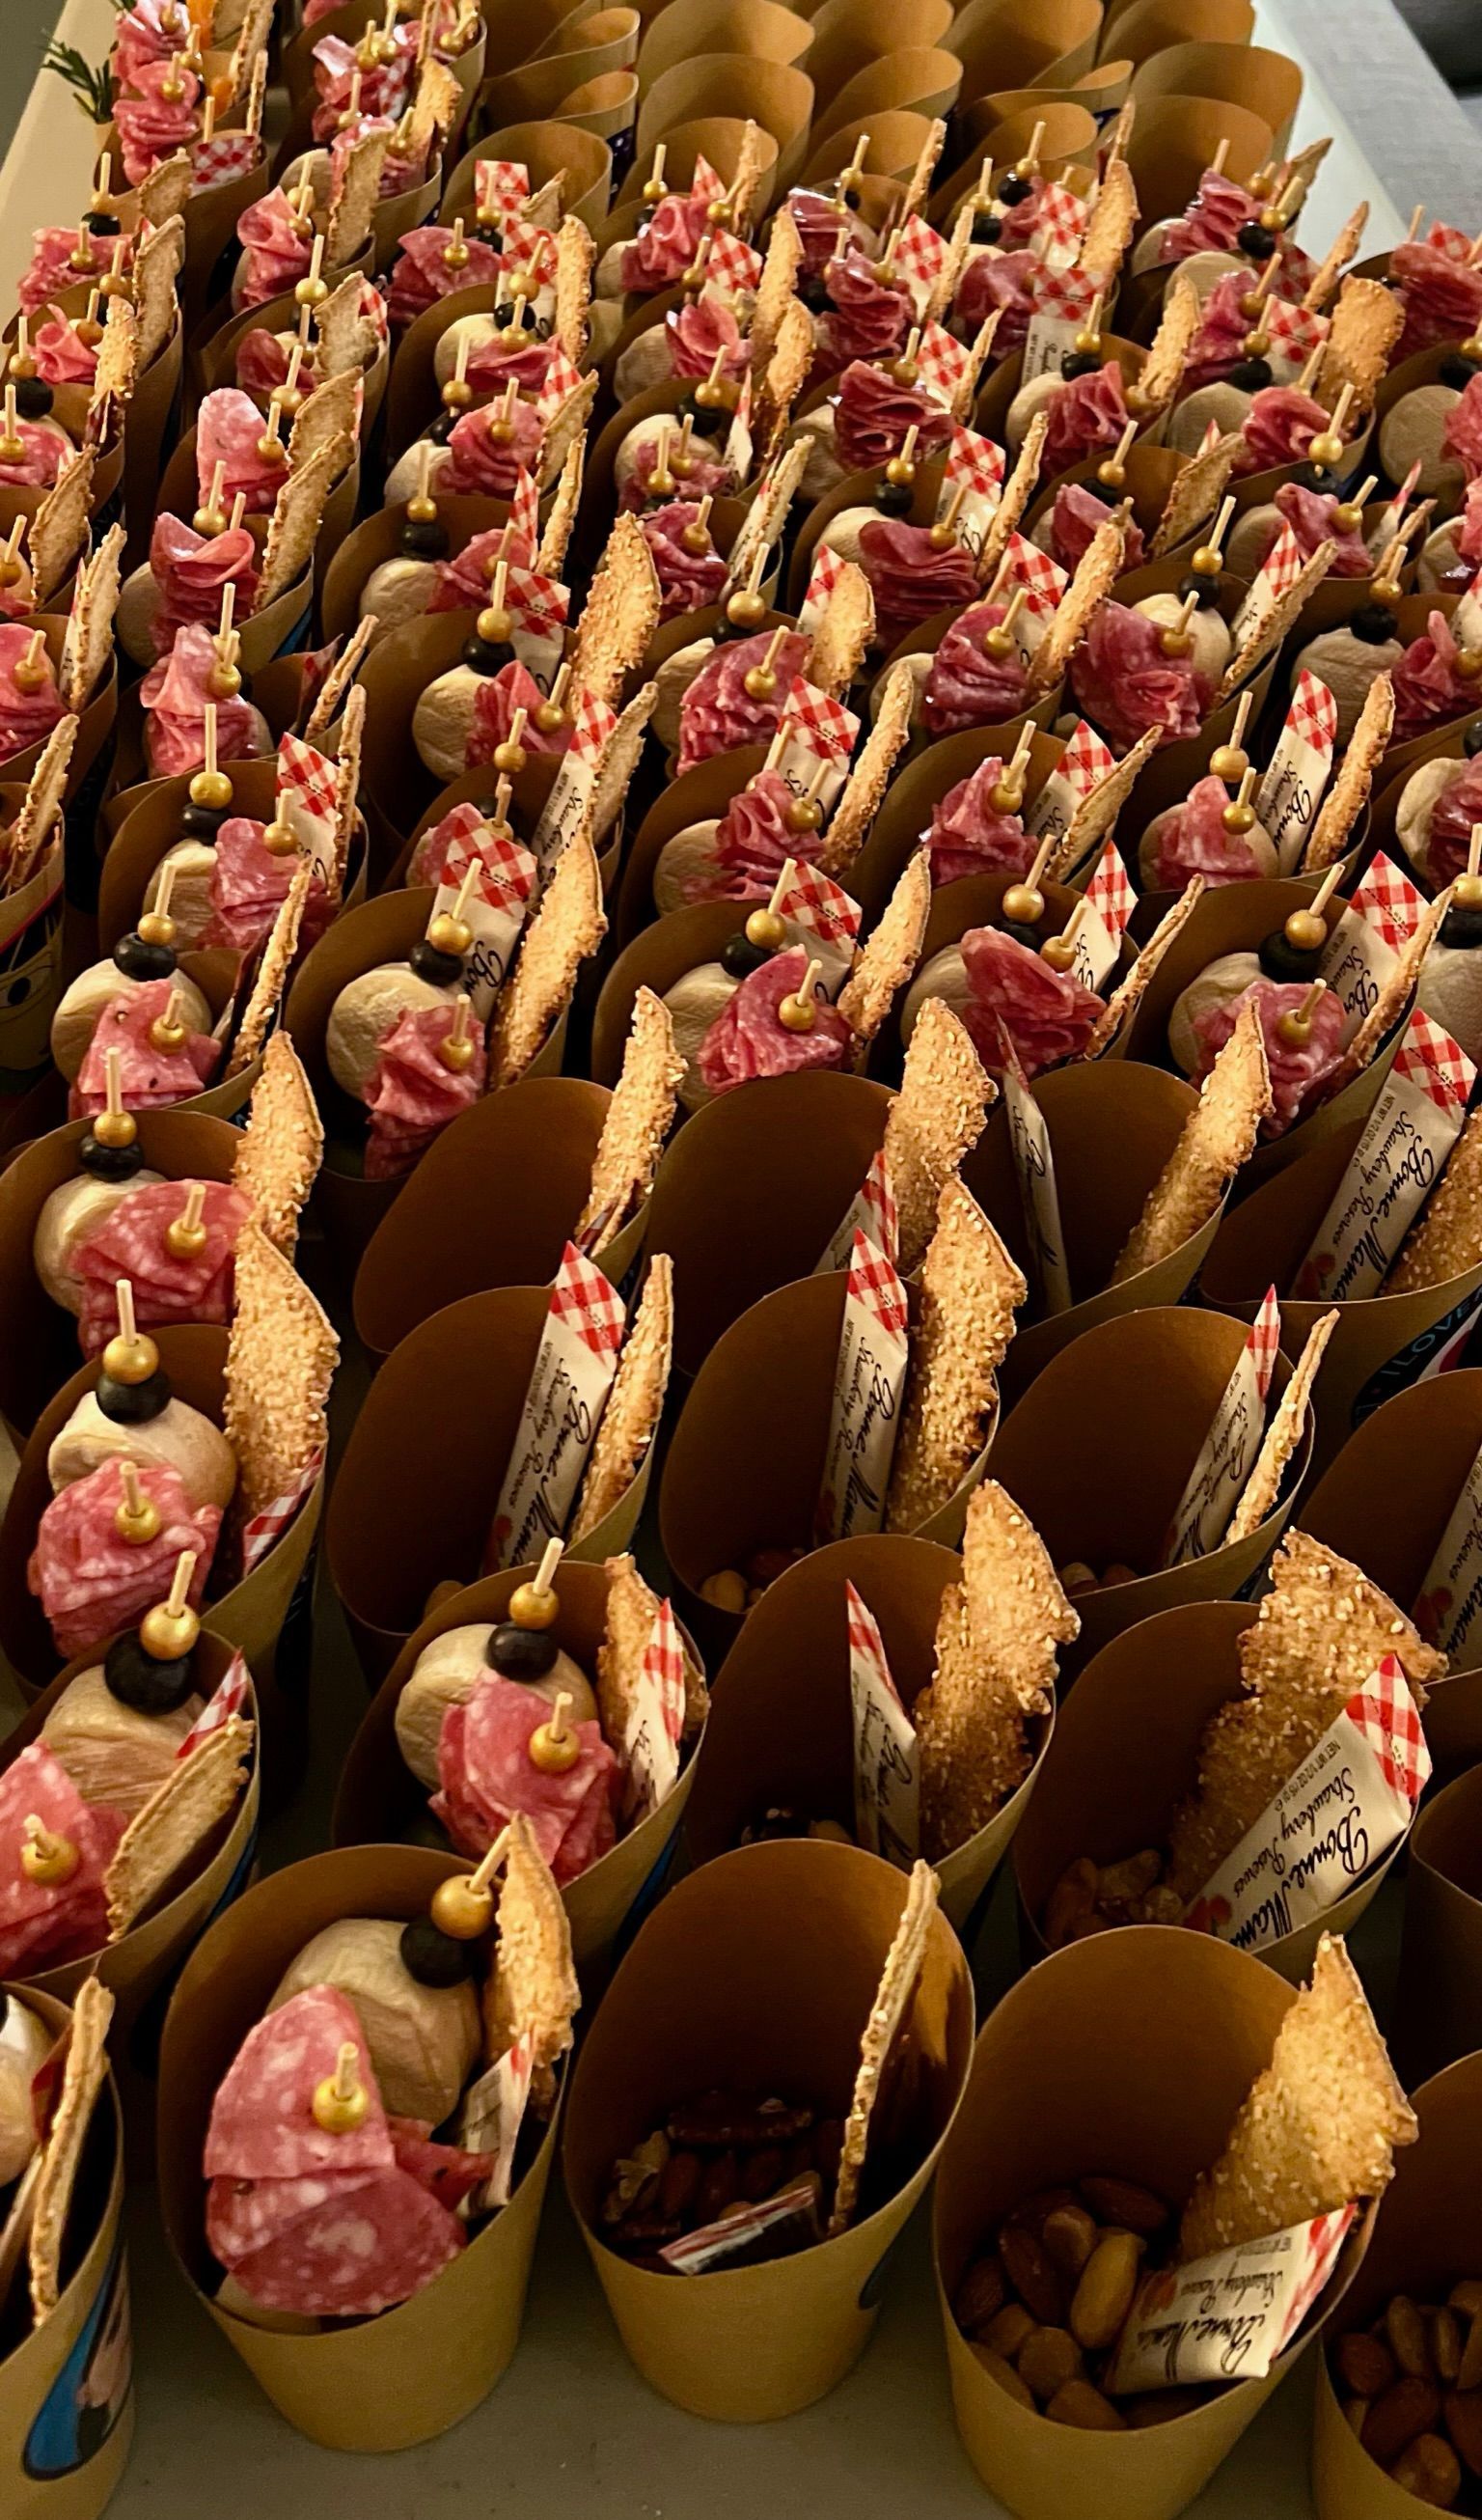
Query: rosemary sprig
(93, 87)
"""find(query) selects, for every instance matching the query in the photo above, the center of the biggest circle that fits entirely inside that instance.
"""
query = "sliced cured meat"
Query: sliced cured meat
(444, 2170)
(874, 413)
(700, 333)
(1462, 438)
(1212, 222)
(274, 254)
(461, 585)
(968, 835)
(148, 1077)
(151, 124)
(89, 1579)
(1451, 824)
(910, 578)
(867, 319)
(497, 701)
(355, 2254)
(27, 716)
(718, 714)
(487, 1775)
(753, 843)
(1311, 515)
(704, 472)
(245, 2215)
(1442, 292)
(478, 462)
(228, 428)
(1076, 518)
(1004, 282)
(1298, 1071)
(1429, 685)
(665, 247)
(250, 885)
(688, 580)
(1278, 429)
(46, 1921)
(130, 1243)
(1048, 1015)
(1125, 683)
(420, 275)
(176, 693)
(262, 2118)
(190, 570)
(412, 1094)
(749, 1039)
(968, 685)
(1086, 414)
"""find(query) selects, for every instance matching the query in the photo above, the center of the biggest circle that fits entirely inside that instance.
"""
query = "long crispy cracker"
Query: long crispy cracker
(117, 367)
(575, 253)
(1017, 492)
(776, 288)
(87, 648)
(298, 515)
(348, 784)
(1158, 379)
(1367, 323)
(619, 762)
(272, 975)
(784, 376)
(532, 1988)
(194, 1798)
(1269, 632)
(890, 953)
(1446, 1239)
(904, 1962)
(943, 291)
(58, 529)
(1198, 487)
(31, 833)
(620, 614)
(333, 692)
(1281, 1437)
(638, 1121)
(561, 515)
(332, 413)
(632, 1610)
(82, 2079)
(927, 155)
(934, 1122)
(354, 202)
(1335, 261)
(1216, 1140)
(280, 1362)
(156, 270)
(165, 191)
(1395, 992)
(432, 111)
(1095, 814)
(1132, 989)
(569, 925)
(338, 329)
(970, 1290)
(562, 431)
(281, 1148)
(631, 1417)
(1111, 224)
(1097, 573)
(965, 395)
(865, 788)
(1350, 792)
(841, 641)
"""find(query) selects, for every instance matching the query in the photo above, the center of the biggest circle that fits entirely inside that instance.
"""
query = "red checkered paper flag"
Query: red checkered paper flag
(1295, 332)
(886, 1765)
(1043, 583)
(820, 916)
(823, 577)
(1109, 902)
(1407, 1139)
(739, 454)
(1388, 901)
(705, 185)
(592, 726)
(941, 363)
(524, 507)
(304, 799)
(1280, 570)
(653, 1721)
(1059, 226)
(918, 256)
(529, 249)
(816, 732)
(494, 908)
(1394, 514)
(222, 158)
(872, 1212)
(538, 608)
(493, 2112)
(1063, 300)
(974, 468)
(1363, 947)
(1228, 1455)
(574, 1367)
(1436, 1065)
(229, 1698)
(499, 186)
(869, 1382)
(734, 267)
(1083, 765)
(1289, 794)
(261, 1530)
(559, 383)
(1211, 436)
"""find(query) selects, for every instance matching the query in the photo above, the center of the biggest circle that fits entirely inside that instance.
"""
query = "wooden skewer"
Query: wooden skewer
(113, 1081)
(1327, 887)
(163, 891)
(779, 890)
(466, 889)
(1244, 706)
(238, 510)
(1414, 229)
(1217, 162)
(1022, 751)
(1041, 861)
(209, 736)
(1475, 851)
(194, 1207)
(123, 1299)
(488, 1865)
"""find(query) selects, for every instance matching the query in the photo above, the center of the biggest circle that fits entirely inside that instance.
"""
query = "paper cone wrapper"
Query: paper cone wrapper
(1019, 44)
(973, 901)
(903, 82)
(760, 1970)
(374, 2384)
(1381, 1342)
(24, 501)
(1247, 75)
(719, 138)
(66, 2444)
(745, 1464)
(211, 228)
(30, 975)
(1174, 140)
(391, 218)
(536, 31)
(398, 1525)
(95, 724)
(773, 94)
(1148, 26)
(698, 795)
(781, 1732)
(146, 428)
(380, 1799)
(991, 411)
(1113, 1125)
(530, 789)
(150, 824)
(606, 107)
(457, 1230)
(657, 958)
(687, 29)
(1126, 2054)
(896, 139)
(378, 538)
(928, 776)
(751, 1190)
(851, 35)
(41, 1349)
(249, 1615)
(1151, 471)
(1069, 141)
(544, 148)
(1126, 1751)
(589, 48)
(1439, 2008)
(1099, 1448)
(218, 354)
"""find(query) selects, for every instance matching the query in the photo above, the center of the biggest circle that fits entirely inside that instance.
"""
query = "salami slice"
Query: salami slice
(41, 1921)
(487, 1775)
(245, 2215)
(262, 2121)
(444, 2170)
(89, 1579)
(130, 1243)
(355, 2254)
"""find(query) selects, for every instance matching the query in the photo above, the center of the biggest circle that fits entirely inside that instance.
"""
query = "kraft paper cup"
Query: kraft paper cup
(1128, 2054)
(1113, 1126)
(718, 137)
(492, 1203)
(781, 1732)
(66, 2406)
(30, 974)
(1069, 140)
(1439, 2006)
(751, 1190)
(850, 36)
(895, 141)
(249, 1615)
(40, 1348)
(511, 41)
(973, 901)
(1250, 77)
(372, 2384)
(1175, 139)
(745, 1464)
(378, 538)
(606, 107)
(927, 777)
(544, 148)
(903, 82)
(380, 1799)
(1125, 1753)
(146, 426)
(687, 29)
(95, 723)
(1014, 43)
(773, 94)
(1385, 1503)
(413, 1497)
(761, 1969)
(1099, 1450)
(1148, 26)
(1380, 1342)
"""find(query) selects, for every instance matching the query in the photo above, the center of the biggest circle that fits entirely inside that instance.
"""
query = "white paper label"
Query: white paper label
(1227, 2316)
(1450, 1598)
(869, 1381)
(493, 2112)
(495, 908)
(1045, 343)
(1399, 1157)
(872, 1212)
(1034, 1164)
(1229, 1450)
(736, 2230)
(593, 728)
(1364, 948)
(573, 1373)
(1289, 794)
(654, 1721)
(886, 1771)
(974, 466)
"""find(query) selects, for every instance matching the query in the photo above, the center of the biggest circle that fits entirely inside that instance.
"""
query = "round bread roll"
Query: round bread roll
(192, 907)
(476, 330)
(74, 1210)
(1450, 992)
(399, 591)
(1029, 399)
(1213, 646)
(944, 976)
(443, 720)
(76, 1018)
(111, 1752)
(1228, 977)
(683, 862)
(652, 431)
(180, 1439)
(693, 1004)
(822, 471)
(363, 1014)
(1224, 404)
(1420, 797)
(672, 680)
(404, 477)
(647, 361)
(134, 620)
(842, 532)
(25, 2043)
(1206, 270)
(446, 1673)
(1412, 431)
(607, 278)
(1250, 539)
(1439, 558)
(1347, 664)
(605, 322)
(424, 2040)
(1258, 840)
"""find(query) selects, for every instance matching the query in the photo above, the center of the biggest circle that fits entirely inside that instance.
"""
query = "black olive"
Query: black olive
(740, 958)
(134, 1404)
(1250, 376)
(520, 317)
(423, 538)
(1023, 933)
(138, 1681)
(1373, 623)
(1457, 371)
(33, 397)
(203, 821)
(522, 1654)
(986, 228)
(1104, 491)
(1461, 928)
(710, 420)
(1256, 241)
(1316, 476)
(433, 1958)
(1207, 589)
(1282, 960)
(1080, 363)
(895, 498)
(487, 655)
(430, 963)
(109, 1163)
(137, 960)
(814, 292)
(1014, 189)
(442, 428)
(1471, 740)
(102, 223)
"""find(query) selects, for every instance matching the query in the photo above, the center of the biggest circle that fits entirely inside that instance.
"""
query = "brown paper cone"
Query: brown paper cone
(1175, 137)
(374, 2384)
(395, 787)
(896, 140)
(54, 2467)
(146, 426)
(1247, 75)
(763, 1966)
(781, 1732)
(511, 41)
(1149, 26)
(973, 901)
(389, 1541)
(1069, 139)
(926, 779)
(149, 824)
(540, 88)
(771, 93)
(1012, 43)
(378, 538)
(40, 1348)
(720, 138)
(31, 961)
(850, 36)
(544, 150)
(492, 1203)
(606, 107)
(94, 724)
(381, 1800)
(1127, 2055)
(1380, 1341)
(688, 30)
(1099, 1448)
(1126, 1752)
(903, 82)
(248, 1615)
(24, 501)
(1439, 2011)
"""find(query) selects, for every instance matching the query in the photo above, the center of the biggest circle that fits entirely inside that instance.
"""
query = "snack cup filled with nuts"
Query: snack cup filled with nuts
(1399, 2397)
(1104, 2150)
(759, 2106)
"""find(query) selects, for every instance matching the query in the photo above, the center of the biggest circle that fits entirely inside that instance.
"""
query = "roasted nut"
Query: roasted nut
(1035, 2211)
(1032, 2275)
(1429, 2470)
(1365, 2363)
(1467, 2297)
(979, 2295)
(717, 2121)
(762, 2173)
(1070, 2237)
(633, 2176)
(1047, 2359)
(1120, 2201)
(1159, 2406)
(1071, 1902)
(1079, 2404)
(1469, 2376)
(1009, 2332)
(1103, 2295)
(1406, 2330)
(1122, 1884)
(1408, 2407)
(719, 2187)
(679, 2184)
(1442, 2332)
(1004, 2374)
(1463, 2422)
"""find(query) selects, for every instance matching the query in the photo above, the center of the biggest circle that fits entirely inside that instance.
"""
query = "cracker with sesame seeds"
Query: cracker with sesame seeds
(298, 515)
(953, 263)
(1217, 1137)
(83, 2074)
(569, 925)
(87, 646)
(977, 359)
(165, 191)
(627, 1630)
(192, 1798)
(33, 831)
(353, 196)
(1268, 633)
(1350, 792)
(1162, 369)
(1395, 992)
(638, 1121)
(1281, 1436)
(1097, 573)
(1133, 987)
(777, 286)
(970, 1292)
(846, 627)
(785, 374)
(560, 516)
(1017, 492)
(575, 254)
(924, 168)
(1095, 814)
(333, 692)
(156, 274)
(1335, 262)
(279, 1363)
(618, 764)
(332, 413)
(251, 39)
(271, 971)
(565, 430)
(630, 1421)
(767, 515)
(1318, 2128)
(1111, 224)
(746, 183)
(532, 1988)
(117, 367)
(619, 615)
(257, 93)
(890, 951)
(865, 788)
(280, 1151)
(1198, 487)
(904, 1962)
(348, 784)
(935, 1121)
(340, 349)
(1366, 326)
(433, 109)
(57, 530)
(1446, 1239)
